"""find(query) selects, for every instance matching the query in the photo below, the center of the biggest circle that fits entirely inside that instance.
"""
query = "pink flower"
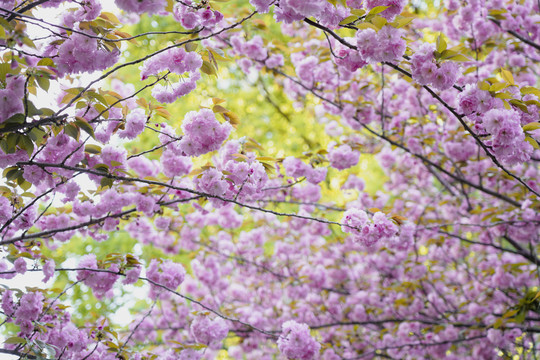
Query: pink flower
(8, 305)
(20, 265)
(262, 6)
(135, 122)
(274, 61)
(80, 53)
(208, 331)
(30, 307)
(395, 7)
(295, 342)
(132, 275)
(202, 133)
(143, 166)
(385, 45)
(212, 182)
(426, 72)
(142, 6)
(11, 97)
(175, 165)
(167, 273)
(48, 270)
(99, 281)
(343, 157)
(468, 100)
(6, 210)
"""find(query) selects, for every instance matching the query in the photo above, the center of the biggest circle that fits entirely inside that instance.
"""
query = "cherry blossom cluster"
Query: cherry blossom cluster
(427, 72)
(209, 332)
(25, 311)
(257, 53)
(80, 53)
(296, 168)
(246, 175)
(202, 133)
(14, 89)
(100, 282)
(142, 6)
(343, 157)
(177, 61)
(168, 274)
(89, 10)
(507, 137)
(473, 100)
(135, 122)
(380, 228)
(395, 7)
(383, 45)
(296, 342)
(191, 15)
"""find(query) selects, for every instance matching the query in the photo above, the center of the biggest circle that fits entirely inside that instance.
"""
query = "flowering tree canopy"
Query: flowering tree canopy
(270, 179)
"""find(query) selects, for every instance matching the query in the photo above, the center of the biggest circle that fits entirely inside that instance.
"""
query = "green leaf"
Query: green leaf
(379, 21)
(365, 25)
(469, 70)
(349, 19)
(208, 68)
(5, 24)
(531, 126)
(532, 102)
(13, 173)
(15, 119)
(503, 95)
(43, 82)
(401, 22)
(446, 54)
(5, 69)
(106, 182)
(45, 62)
(15, 340)
(507, 76)
(102, 167)
(530, 90)
(358, 12)
(26, 143)
(499, 87)
(109, 17)
(46, 111)
(520, 105)
(441, 44)
(28, 42)
(37, 135)
(484, 85)
(376, 10)
(7, 170)
(509, 314)
(73, 131)
(4, 146)
(12, 141)
(459, 58)
(25, 185)
(67, 98)
(92, 149)
(521, 315)
(32, 110)
(533, 142)
(84, 125)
